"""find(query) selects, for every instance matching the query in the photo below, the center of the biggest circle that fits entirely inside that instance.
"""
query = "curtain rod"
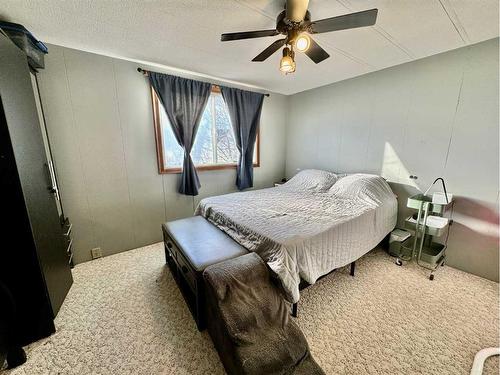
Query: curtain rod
(145, 72)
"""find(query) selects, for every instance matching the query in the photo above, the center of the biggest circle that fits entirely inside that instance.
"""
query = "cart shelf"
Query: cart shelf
(415, 201)
(432, 254)
(435, 225)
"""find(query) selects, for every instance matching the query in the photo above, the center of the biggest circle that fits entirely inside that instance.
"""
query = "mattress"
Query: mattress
(306, 234)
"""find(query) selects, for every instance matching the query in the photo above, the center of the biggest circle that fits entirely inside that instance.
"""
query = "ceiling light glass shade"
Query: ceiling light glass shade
(302, 43)
(287, 64)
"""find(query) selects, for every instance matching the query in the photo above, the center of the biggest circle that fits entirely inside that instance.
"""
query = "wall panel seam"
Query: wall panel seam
(76, 128)
(453, 121)
(125, 169)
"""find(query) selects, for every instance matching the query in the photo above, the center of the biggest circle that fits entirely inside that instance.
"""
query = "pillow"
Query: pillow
(361, 185)
(313, 180)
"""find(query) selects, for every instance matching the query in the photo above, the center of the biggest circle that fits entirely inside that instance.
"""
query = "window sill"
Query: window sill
(213, 167)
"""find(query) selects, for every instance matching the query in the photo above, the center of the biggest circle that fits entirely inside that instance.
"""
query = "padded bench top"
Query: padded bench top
(201, 242)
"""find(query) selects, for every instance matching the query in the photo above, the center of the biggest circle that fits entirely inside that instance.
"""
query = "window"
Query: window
(214, 146)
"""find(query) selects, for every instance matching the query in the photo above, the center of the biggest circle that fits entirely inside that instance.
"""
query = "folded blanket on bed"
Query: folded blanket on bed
(249, 321)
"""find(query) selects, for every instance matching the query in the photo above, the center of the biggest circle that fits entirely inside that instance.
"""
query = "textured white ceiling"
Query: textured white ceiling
(186, 34)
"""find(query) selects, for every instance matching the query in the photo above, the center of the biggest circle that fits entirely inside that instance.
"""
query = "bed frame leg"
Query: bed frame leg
(294, 310)
(353, 267)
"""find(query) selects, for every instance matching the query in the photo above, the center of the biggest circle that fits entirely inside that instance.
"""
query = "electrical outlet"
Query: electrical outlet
(96, 252)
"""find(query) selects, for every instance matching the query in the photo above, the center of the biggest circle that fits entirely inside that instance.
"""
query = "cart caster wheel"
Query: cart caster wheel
(442, 264)
(399, 262)
(431, 277)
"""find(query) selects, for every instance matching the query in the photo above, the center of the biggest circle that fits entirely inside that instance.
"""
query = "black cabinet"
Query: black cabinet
(34, 263)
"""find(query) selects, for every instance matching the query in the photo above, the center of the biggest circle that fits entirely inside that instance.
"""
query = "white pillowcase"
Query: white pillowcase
(313, 180)
(361, 185)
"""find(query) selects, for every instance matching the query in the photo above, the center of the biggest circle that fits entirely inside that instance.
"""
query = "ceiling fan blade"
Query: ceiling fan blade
(270, 50)
(347, 21)
(316, 53)
(296, 9)
(248, 35)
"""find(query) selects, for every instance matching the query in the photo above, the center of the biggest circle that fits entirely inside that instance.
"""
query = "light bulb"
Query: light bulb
(302, 43)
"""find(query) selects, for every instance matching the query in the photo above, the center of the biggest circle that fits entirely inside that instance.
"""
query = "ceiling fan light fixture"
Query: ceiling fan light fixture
(302, 42)
(287, 64)
(295, 24)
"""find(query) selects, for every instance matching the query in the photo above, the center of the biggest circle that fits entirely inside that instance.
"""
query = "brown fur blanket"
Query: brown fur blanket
(250, 323)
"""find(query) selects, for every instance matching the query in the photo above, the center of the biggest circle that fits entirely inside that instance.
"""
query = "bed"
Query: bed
(316, 222)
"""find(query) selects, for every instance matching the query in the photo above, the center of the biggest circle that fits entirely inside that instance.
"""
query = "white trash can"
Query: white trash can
(398, 236)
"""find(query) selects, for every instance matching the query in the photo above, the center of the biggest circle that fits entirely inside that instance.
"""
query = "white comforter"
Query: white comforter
(303, 234)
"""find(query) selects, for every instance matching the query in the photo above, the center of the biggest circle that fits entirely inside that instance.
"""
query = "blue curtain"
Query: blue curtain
(184, 101)
(244, 109)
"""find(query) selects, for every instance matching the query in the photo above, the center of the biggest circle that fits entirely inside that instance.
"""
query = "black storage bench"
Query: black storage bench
(191, 245)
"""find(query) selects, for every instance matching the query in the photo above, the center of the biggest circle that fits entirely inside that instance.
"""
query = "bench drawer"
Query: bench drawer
(171, 247)
(182, 264)
(186, 271)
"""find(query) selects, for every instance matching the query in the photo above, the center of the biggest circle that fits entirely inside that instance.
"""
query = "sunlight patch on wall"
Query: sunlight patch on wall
(393, 168)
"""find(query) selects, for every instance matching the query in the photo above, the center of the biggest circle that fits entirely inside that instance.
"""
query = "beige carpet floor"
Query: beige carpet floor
(124, 315)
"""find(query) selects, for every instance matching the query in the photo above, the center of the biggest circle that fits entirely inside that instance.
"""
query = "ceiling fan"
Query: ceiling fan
(295, 24)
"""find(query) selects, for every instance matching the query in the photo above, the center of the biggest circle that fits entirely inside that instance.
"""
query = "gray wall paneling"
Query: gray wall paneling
(432, 117)
(100, 124)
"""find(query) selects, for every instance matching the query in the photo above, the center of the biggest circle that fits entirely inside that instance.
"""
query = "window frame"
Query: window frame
(159, 142)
